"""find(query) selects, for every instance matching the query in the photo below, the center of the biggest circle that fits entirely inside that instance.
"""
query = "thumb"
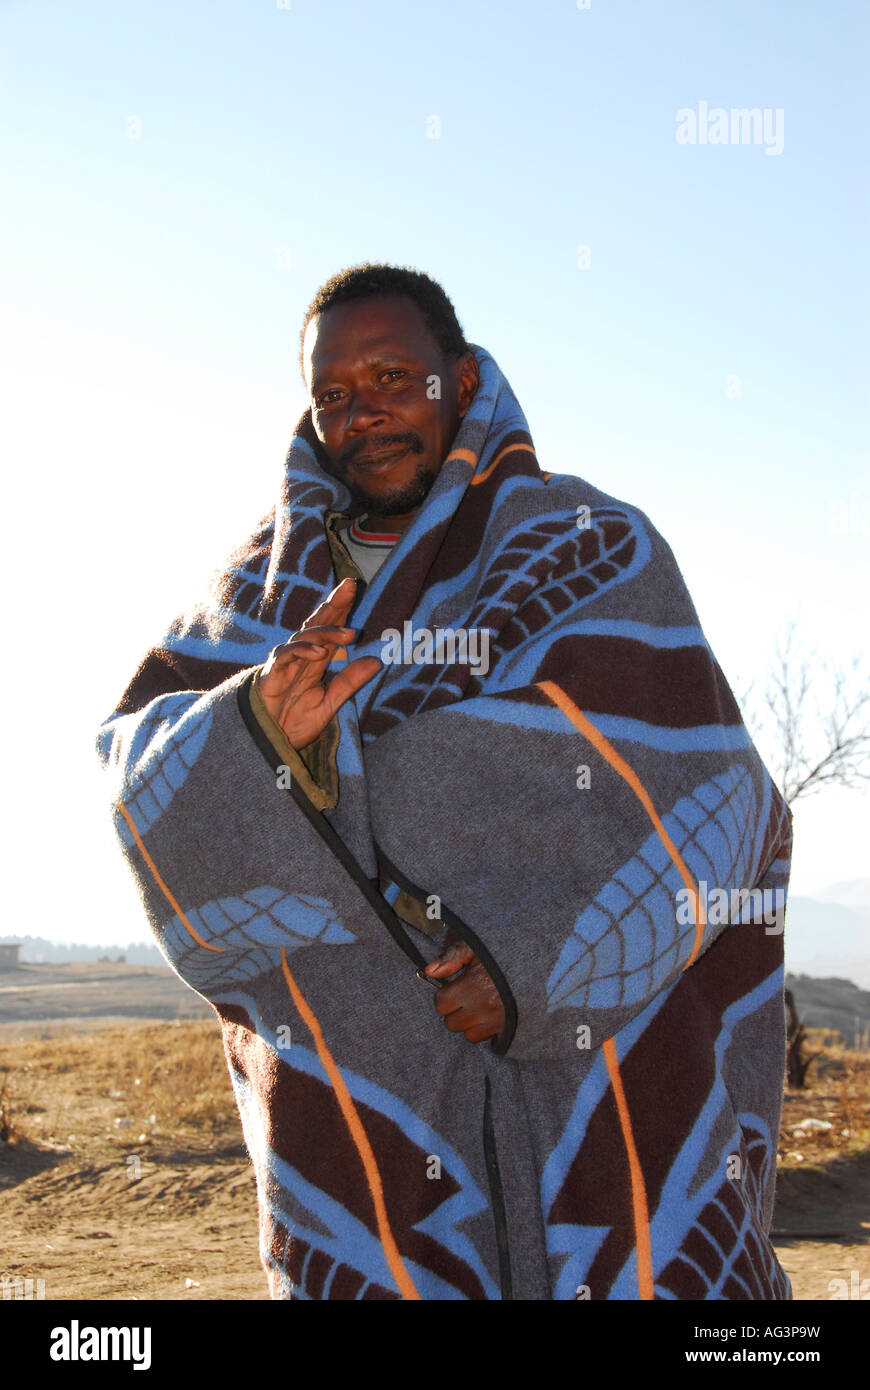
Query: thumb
(454, 958)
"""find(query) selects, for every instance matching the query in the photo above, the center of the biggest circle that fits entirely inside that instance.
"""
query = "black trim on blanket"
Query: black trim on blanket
(497, 1195)
(333, 842)
(500, 1044)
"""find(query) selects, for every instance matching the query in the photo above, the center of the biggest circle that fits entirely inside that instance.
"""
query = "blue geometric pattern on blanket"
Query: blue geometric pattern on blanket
(684, 1203)
(716, 1207)
(247, 582)
(346, 1241)
(560, 571)
(326, 1225)
(538, 563)
(578, 1245)
(628, 939)
(612, 548)
(161, 758)
(756, 1148)
(261, 918)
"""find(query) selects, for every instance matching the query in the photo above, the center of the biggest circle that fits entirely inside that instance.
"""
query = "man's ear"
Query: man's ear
(467, 381)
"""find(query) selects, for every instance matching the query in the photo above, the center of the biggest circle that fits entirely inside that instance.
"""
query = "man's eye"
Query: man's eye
(394, 372)
(326, 399)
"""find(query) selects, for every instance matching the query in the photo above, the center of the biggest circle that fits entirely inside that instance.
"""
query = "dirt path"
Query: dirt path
(184, 1228)
(834, 1201)
(125, 1175)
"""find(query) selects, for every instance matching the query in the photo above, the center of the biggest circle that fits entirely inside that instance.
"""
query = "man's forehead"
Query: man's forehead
(366, 330)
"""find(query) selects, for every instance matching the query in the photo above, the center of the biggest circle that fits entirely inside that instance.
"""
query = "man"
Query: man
(448, 720)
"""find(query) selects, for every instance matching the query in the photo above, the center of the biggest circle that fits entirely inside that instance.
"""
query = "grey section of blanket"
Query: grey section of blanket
(229, 833)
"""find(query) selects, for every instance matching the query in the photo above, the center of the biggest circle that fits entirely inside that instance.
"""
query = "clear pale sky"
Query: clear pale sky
(178, 179)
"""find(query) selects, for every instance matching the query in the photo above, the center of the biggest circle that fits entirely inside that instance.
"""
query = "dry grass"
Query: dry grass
(156, 1082)
(838, 1093)
(7, 1123)
(138, 1083)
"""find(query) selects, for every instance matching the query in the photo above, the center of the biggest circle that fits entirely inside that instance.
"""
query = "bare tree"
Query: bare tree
(816, 720)
(797, 1064)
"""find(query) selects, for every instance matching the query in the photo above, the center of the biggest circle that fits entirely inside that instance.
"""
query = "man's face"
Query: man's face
(385, 402)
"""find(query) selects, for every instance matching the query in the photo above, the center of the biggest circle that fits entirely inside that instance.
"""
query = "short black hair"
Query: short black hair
(367, 279)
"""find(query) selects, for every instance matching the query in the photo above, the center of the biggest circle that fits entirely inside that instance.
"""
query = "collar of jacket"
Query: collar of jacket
(335, 523)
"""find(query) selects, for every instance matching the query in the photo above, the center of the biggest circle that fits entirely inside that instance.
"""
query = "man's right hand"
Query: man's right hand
(291, 682)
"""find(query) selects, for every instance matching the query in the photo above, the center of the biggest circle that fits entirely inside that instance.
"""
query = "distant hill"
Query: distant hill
(832, 1003)
(829, 937)
(855, 893)
(38, 950)
(80, 992)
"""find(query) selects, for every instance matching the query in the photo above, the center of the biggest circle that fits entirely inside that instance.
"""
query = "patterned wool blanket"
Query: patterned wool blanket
(572, 786)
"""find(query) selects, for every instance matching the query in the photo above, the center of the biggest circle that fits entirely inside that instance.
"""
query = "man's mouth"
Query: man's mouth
(379, 460)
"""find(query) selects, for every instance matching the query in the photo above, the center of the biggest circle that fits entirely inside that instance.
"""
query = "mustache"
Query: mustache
(411, 441)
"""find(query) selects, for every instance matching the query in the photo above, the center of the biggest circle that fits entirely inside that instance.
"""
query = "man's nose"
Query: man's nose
(364, 412)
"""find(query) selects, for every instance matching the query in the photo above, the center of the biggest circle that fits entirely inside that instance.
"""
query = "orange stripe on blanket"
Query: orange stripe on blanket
(359, 1136)
(639, 1204)
(508, 448)
(466, 455)
(628, 774)
(165, 890)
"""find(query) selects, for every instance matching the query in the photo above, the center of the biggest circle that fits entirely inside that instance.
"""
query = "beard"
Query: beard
(398, 500)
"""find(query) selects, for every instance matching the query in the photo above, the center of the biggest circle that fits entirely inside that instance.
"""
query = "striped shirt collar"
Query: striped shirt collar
(370, 538)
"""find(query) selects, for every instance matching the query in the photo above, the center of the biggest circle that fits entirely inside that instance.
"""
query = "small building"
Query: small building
(9, 955)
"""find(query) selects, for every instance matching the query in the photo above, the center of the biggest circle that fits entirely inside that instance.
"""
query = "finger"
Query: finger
(349, 681)
(457, 1021)
(455, 956)
(470, 1014)
(335, 605)
(344, 590)
(281, 657)
(474, 991)
(469, 1023)
(481, 1032)
(332, 632)
(325, 636)
(282, 673)
(453, 959)
(452, 999)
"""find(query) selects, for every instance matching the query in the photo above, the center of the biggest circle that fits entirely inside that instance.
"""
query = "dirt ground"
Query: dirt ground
(186, 1229)
(821, 1226)
(123, 1174)
(833, 1201)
